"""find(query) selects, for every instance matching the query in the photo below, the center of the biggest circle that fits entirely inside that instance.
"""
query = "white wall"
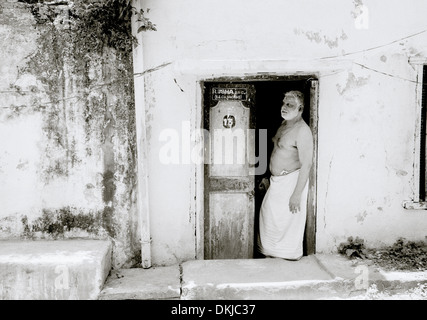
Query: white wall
(367, 106)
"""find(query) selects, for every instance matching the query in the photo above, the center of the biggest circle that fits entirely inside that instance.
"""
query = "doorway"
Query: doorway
(231, 213)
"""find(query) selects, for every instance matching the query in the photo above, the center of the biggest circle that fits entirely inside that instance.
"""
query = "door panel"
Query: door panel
(230, 227)
(229, 180)
(229, 121)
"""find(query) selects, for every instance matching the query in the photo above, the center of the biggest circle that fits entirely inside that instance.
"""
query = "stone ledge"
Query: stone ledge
(53, 269)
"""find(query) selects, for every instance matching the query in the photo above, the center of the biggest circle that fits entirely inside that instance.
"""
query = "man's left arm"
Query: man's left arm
(305, 152)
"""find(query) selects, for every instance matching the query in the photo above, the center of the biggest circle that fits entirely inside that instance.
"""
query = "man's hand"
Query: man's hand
(295, 203)
(264, 184)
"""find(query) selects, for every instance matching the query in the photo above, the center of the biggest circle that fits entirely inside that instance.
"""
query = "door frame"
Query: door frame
(199, 170)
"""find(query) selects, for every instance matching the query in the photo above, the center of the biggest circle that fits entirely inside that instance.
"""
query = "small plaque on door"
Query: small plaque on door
(229, 121)
(239, 94)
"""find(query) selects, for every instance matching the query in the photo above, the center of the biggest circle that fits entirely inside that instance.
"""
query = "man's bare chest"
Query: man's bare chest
(286, 137)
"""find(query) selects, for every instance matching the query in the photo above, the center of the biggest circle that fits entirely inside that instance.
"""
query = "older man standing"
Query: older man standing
(283, 210)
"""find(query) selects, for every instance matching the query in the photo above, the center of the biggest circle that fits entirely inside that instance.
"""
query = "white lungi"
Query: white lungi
(281, 232)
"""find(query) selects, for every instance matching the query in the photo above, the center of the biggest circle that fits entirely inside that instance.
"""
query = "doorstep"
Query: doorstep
(319, 276)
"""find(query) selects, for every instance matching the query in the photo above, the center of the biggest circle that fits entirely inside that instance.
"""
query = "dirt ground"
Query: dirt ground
(417, 293)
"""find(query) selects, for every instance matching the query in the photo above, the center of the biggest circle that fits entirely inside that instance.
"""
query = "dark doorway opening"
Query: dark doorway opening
(269, 94)
(269, 99)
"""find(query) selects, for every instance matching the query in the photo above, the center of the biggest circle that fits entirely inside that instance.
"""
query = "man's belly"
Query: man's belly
(280, 166)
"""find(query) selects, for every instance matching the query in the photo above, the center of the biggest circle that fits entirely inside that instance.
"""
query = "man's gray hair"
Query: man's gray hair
(297, 95)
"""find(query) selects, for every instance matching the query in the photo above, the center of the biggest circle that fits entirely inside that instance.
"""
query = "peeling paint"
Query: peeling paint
(358, 8)
(22, 165)
(361, 216)
(352, 83)
(319, 38)
(401, 173)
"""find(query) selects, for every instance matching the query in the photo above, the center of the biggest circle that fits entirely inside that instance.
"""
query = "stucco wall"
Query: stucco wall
(368, 107)
(67, 135)
(67, 147)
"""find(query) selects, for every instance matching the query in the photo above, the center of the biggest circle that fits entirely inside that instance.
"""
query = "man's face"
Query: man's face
(290, 108)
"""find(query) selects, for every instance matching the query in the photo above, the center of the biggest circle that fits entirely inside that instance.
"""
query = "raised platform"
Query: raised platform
(53, 270)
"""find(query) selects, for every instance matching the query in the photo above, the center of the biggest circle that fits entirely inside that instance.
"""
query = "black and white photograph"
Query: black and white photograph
(213, 158)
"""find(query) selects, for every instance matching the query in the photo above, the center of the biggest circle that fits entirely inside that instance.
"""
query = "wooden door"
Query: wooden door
(229, 171)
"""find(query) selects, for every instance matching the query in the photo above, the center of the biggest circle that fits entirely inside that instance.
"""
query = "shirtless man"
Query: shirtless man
(282, 220)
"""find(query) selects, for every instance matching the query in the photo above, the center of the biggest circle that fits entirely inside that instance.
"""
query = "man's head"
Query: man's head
(293, 104)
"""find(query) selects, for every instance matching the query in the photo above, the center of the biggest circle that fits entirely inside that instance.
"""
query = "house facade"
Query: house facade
(367, 72)
(140, 166)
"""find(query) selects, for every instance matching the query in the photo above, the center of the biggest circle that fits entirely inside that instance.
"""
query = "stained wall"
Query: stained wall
(67, 134)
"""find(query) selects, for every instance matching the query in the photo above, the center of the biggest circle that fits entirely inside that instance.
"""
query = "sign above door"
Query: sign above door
(240, 94)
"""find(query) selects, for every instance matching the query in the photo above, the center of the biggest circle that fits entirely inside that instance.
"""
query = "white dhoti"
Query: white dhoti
(281, 232)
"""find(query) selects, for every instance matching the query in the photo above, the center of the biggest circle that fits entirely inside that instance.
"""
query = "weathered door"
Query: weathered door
(229, 171)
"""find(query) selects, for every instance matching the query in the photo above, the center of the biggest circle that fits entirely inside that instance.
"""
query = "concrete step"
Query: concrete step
(319, 276)
(161, 283)
(259, 279)
(53, 270)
